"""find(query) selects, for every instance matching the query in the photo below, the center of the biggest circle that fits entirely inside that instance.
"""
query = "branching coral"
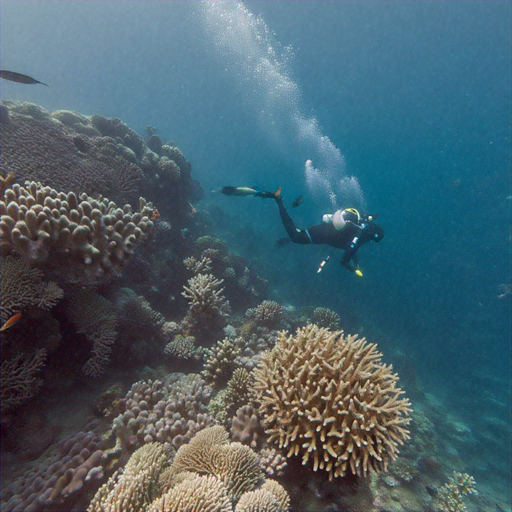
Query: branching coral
(450, 496)
(220, 361)
(329, 398)
(95, 317)
(22, 286)
(208, 308)
(204, 294)
(80, 238)
(267, 314)
(325, 317)
(18, 378)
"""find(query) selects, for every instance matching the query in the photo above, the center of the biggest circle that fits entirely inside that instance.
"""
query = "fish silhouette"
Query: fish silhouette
(19, 78)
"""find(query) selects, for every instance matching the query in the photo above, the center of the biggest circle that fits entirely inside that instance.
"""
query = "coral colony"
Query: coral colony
(190, 389)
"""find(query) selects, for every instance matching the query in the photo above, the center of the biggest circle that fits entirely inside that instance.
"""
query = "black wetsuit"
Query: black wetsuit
(350, 238)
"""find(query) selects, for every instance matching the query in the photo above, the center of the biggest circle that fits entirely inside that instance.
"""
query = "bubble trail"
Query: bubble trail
(262, 72)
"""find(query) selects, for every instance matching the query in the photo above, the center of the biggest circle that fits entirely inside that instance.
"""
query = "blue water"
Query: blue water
(404, 108)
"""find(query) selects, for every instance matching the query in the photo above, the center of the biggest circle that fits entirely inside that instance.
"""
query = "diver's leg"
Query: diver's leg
(296, 235)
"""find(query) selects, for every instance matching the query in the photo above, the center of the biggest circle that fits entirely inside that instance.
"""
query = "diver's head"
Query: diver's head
(340, 218)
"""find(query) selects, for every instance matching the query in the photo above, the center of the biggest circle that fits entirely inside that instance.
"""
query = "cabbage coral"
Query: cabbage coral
(329, 398)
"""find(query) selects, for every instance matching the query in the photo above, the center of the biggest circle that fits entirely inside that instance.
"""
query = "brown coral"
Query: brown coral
(329, 398)
(81, 238)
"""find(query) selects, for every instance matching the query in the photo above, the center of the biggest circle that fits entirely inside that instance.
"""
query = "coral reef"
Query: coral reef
(328, 398)
(79, 238)
(65, 151)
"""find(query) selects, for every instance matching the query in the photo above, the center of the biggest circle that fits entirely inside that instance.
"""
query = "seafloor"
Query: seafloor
(151, 370)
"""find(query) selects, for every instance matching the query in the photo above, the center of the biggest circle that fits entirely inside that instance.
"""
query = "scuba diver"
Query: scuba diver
(344, 229)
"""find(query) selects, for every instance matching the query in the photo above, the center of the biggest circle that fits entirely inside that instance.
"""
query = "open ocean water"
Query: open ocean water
(396, 108)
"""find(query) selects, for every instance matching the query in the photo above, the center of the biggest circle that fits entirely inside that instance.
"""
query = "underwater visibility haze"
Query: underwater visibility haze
(141, 332)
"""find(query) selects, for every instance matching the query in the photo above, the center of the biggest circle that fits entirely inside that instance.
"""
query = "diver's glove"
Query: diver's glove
(352, 268)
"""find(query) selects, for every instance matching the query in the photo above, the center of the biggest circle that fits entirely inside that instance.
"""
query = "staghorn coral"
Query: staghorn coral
(137, 486)
(198, 266)
(220, 361)
(325, 317)
(182, 347)
(267, 314)
(22, 286)
(208, 308)
(79, 238)
(96, 317)
(210, 453)
(18, 378)
(329, 398)
(450, 496)
(205, 295)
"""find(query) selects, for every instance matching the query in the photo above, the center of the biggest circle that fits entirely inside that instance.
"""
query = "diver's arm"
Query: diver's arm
(350, 254)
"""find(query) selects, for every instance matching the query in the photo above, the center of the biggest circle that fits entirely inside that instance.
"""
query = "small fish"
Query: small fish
(239, 191)
(11, 321)
(283, 241)
(297, 202)
(19, 78)
(155, 215)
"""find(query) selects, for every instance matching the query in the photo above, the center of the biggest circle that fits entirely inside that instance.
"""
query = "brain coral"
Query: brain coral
(329, 398)
(80, 237)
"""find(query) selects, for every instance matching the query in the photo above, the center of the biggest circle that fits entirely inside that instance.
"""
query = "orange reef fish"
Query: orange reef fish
(11, 321)
(19, 78)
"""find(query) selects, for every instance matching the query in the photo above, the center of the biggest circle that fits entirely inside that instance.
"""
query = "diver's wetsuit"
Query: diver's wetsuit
(350, 239)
